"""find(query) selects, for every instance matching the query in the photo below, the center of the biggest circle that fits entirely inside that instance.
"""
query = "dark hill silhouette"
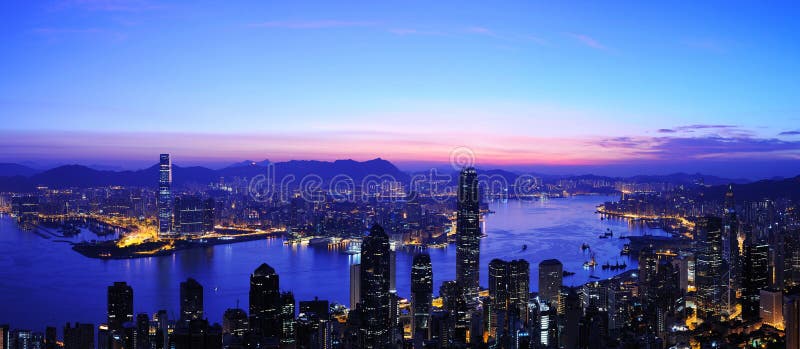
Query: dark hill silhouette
(79, 176)
(11, 170)
(788, 188)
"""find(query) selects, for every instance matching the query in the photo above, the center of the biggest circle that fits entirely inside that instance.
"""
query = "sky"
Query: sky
(604, 87)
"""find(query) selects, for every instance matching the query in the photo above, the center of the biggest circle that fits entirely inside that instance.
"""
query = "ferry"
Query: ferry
(590, 264)
(607, 234)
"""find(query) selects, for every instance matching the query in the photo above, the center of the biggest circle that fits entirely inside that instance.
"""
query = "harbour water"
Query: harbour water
(43, 282)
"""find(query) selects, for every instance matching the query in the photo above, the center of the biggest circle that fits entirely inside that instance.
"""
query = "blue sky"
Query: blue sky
(521, 83)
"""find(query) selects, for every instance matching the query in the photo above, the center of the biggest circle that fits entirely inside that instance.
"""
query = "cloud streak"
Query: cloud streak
(110, 5)
(313, 24)
(496, 150)
(707, 45)
(588, 41)
(712, 129)
(54, 32)
(676, 149)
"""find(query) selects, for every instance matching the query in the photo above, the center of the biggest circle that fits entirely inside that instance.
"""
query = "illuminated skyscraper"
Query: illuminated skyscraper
(165, 196)
(509, 293)
(5, 337)
(711, 283)
(551, 274)
(468, 233)
(771, 308)
(498, 297)
(288, 331)
(453, 302)
(731, 251)
(755, 278)
(120, 305)
(191, 300)
(235, 322)
(355, 285)
(193, 215)
(791, 318)
(421, 295)
(374, 331)
(265, 302)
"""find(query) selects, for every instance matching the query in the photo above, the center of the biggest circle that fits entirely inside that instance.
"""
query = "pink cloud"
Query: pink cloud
(480, 30)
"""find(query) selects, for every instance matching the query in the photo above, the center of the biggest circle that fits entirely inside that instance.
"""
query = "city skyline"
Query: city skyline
(545, 86)
(399, 174)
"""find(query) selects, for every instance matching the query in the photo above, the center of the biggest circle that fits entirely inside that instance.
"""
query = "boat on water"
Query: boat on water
(590, 264)
(567, 273)
(626, 250)
(319, 241)
(524, 247)
(584, 247)
(70, 230)
(616, 266)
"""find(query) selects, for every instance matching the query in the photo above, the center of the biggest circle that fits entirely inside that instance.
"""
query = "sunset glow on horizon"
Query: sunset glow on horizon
(522, 85)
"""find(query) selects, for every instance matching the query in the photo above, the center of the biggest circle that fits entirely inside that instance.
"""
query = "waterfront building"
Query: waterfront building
(468, 233)
(191, 301)
(120, 305)
(193, 215)
(551, 274)
(165, 208)
(81, 336)
(265, 302)
(25, 208)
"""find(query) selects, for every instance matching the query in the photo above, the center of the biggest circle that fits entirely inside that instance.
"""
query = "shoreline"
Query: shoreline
(109, 249)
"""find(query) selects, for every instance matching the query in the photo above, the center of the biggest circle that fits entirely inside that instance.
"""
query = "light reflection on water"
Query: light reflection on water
(45, 283)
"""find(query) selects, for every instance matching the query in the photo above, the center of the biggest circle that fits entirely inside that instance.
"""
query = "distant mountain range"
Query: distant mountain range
(10, 170)
(21, 178)
(18, 178)
(788, 188)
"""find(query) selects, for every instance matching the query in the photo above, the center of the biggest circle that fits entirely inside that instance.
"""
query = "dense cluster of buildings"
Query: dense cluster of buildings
(733, 280)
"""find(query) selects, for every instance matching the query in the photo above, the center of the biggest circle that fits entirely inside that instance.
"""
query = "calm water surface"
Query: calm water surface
(43, 282)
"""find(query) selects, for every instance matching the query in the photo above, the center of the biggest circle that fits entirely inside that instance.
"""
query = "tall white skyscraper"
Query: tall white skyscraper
(165, 196)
